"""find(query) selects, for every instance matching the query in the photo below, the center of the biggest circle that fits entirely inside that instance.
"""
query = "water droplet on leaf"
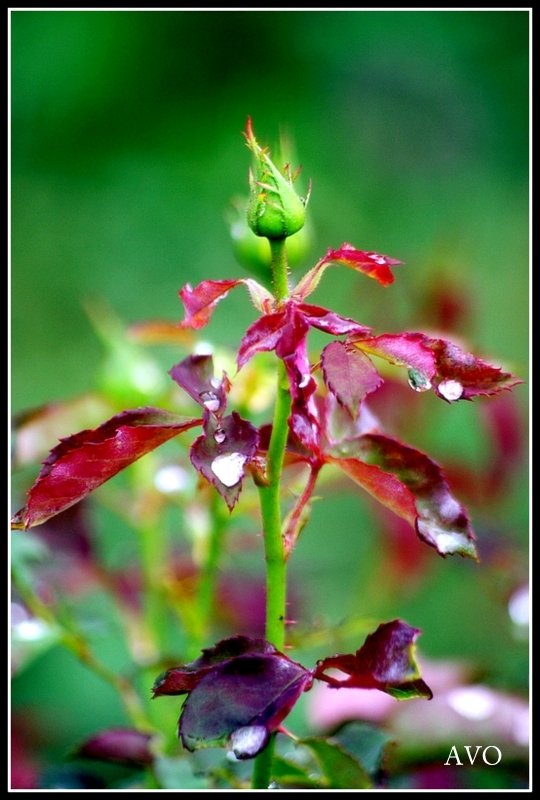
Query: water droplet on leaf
(229, 468)
(210, 401)
(220, 435)
(274, 785)
(418, 380)
(246, 742)
(450, 390)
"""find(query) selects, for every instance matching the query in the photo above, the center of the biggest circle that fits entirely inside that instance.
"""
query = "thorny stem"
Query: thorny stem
(276, 586)
(77, 644)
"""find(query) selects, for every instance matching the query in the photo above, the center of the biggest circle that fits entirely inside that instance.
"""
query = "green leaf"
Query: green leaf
(176, 773)
(365, 742)
(341, 769)
(287, 774)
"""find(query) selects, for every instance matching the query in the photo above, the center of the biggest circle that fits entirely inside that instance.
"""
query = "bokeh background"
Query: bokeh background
(126, 149)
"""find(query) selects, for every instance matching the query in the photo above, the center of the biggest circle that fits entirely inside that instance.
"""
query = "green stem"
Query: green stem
(271, 517)
(276, 564)
(262, 769)
(280, 268)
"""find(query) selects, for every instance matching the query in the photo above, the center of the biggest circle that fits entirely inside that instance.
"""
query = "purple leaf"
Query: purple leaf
(195, 374)
(82, 462)
(385, 662)
(262, 335)
(253, 691)
(180, 680)
(222, 453)
(348, 377)
(239, 692)
(120, 745)
(413, 486)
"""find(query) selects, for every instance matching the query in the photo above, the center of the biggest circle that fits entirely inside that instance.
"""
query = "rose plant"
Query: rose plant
(239, 691)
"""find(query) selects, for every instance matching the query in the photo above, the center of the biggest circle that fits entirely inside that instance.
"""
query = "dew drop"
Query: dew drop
(418, 381)
(450, 390)
(274, 785)
(229, 468)
(220, 435)
(304, 382)
(210, 401)
(246, 742)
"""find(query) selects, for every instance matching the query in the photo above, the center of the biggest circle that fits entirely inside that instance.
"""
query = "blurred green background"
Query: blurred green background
(413, 126)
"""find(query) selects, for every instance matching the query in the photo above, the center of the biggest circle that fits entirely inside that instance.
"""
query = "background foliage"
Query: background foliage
(126, 151)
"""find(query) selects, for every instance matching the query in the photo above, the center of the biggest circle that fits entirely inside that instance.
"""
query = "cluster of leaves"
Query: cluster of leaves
(241, 689)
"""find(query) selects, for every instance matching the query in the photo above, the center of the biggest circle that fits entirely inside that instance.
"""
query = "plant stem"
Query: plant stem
(271, 518)
(262, 769)
(280, 268)
(276, 584)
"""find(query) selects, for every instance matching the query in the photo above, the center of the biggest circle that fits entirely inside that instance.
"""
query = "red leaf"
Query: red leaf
(340, 428)
(119, 745)
(200, 302)
(305, 428)
(454, 373)
(372, 264)
(262, 335)
(348, 377)
(82, 462)
(327, 321)
(222, 453)
(414, 487)
(406, 349)
(385, 662)
(195, 374)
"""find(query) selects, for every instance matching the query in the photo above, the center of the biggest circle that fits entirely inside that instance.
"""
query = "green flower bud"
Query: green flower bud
(274, 208)
(253, 252)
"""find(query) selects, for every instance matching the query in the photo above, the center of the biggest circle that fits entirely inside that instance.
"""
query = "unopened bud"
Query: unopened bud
(275, 210)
